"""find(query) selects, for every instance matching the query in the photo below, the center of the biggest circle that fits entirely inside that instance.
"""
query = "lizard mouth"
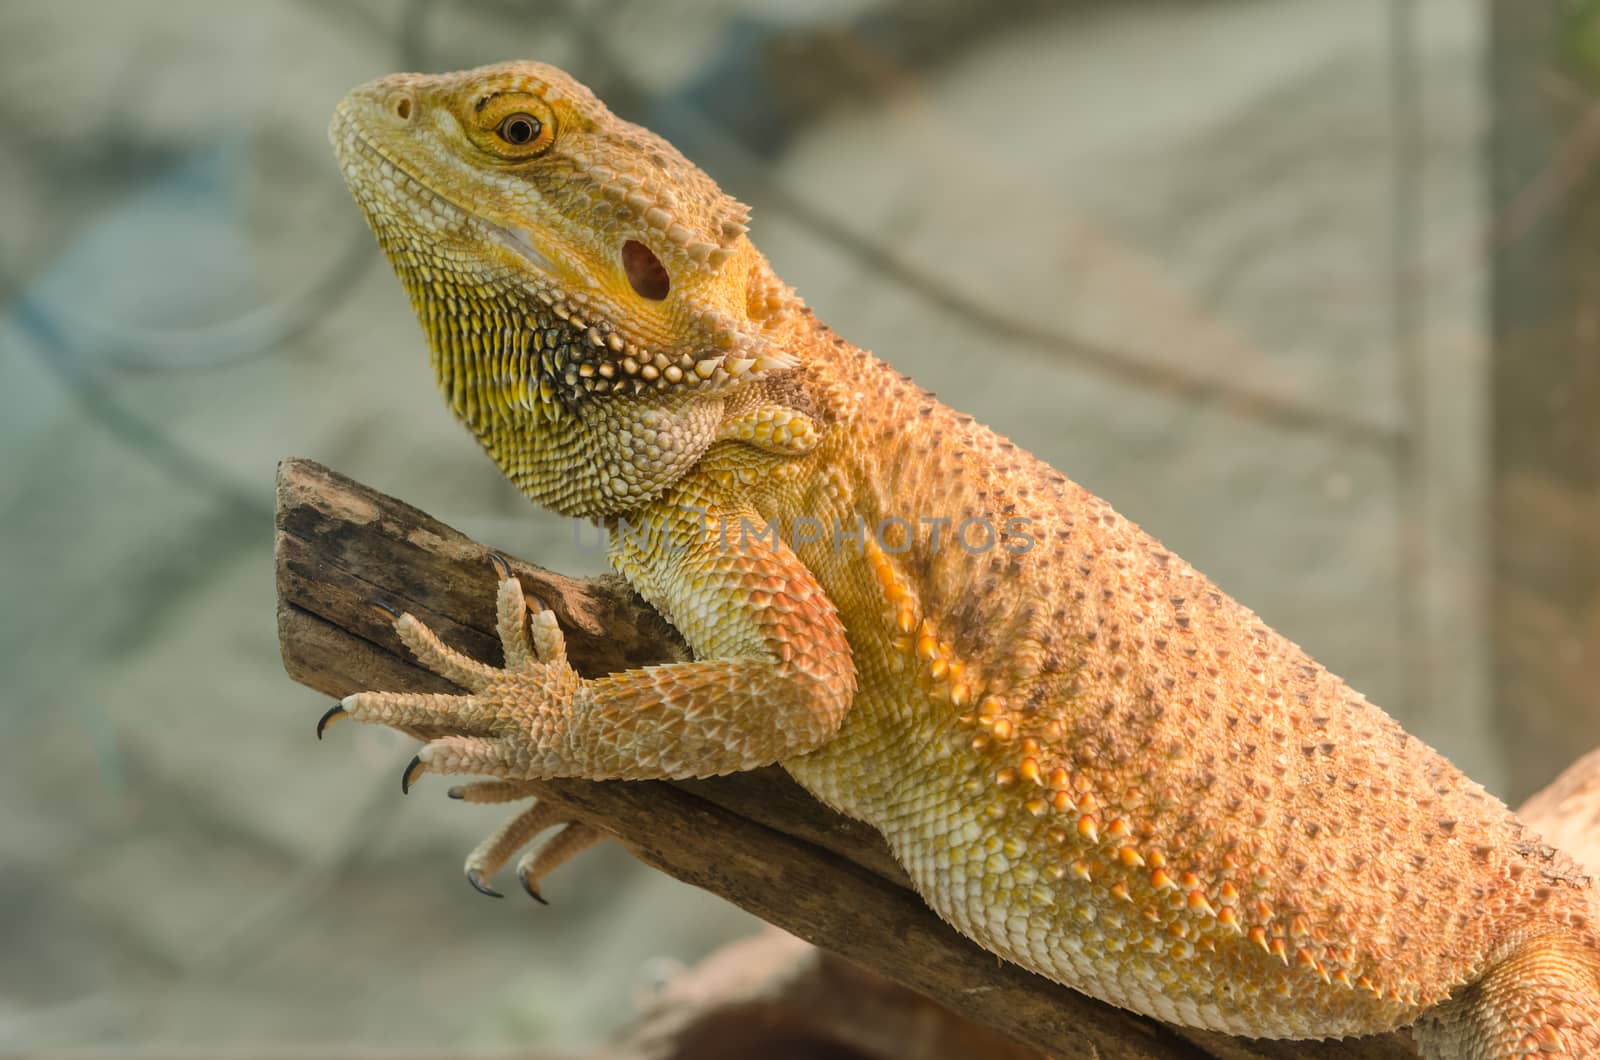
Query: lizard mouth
(520, 241)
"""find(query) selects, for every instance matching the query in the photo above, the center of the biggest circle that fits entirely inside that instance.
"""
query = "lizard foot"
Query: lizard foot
(503, 723)
(491, 855)
(492, 730)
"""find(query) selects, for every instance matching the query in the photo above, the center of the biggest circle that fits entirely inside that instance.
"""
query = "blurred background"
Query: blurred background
(1308, 289)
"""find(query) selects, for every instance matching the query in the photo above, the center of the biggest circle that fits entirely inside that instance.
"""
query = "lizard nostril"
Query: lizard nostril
(645, 272)
(402, 107)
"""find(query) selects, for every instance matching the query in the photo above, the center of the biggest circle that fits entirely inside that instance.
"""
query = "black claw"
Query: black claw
(533, 892)
(386, 608)
(537, 604)
(332, 714)
(413, 770)
(476, 879)
(501, 567)
(457, 793)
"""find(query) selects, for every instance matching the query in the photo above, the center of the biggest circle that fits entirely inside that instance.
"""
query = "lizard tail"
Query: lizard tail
(1541, 1000)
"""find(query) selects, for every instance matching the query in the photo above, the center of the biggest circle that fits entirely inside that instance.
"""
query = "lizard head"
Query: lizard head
(574, 273)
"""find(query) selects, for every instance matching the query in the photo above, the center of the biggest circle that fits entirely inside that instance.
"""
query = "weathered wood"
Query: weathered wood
(772, 995)
(1567, 811)
(756, 839)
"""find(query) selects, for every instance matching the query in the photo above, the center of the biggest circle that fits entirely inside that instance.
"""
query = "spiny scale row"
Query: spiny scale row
(621, 365)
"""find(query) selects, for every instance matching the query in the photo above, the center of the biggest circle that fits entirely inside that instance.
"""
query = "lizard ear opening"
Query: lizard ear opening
(646, 274)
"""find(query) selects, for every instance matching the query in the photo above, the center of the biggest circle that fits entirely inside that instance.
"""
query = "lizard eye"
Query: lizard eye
(514, 126)
(520, 129)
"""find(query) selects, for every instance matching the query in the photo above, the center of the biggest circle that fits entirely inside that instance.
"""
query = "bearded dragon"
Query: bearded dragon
(1088, 758)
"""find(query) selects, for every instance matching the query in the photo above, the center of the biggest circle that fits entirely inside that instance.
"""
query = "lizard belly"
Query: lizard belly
(1019, 885)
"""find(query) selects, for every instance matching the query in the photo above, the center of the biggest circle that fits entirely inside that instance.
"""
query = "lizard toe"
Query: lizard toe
(384, 608)
(574, 838)
(414, 769)
(489, 856)
(475, 878)
(331, 715)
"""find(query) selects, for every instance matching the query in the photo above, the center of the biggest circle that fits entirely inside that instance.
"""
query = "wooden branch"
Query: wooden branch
(774, 995)
(755, 839)
(1567, 811)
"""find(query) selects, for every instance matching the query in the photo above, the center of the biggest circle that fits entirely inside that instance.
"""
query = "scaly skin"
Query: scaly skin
(1088, 758)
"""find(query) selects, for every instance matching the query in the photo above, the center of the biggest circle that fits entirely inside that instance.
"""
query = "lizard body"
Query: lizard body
(1087, 757)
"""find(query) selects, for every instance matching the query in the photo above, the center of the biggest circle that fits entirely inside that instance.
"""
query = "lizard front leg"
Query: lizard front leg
(773, 679)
